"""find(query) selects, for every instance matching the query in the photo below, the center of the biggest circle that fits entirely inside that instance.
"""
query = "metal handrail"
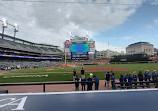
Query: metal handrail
(136, 84)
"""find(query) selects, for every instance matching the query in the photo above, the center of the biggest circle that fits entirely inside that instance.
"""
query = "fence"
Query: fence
(130, 85)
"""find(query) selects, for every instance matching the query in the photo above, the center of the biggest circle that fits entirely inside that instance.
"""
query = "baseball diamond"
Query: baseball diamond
(78, 55)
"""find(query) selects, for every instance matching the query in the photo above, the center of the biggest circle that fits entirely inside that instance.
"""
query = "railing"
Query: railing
(41, 83)
(136, 84)
(117, 84)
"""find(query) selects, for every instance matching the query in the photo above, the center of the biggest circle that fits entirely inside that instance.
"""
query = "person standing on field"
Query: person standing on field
(135, 79)
(146, 76)
(82, 71)
(125, 79)
(96, 82)
(107, 78)
(77, 84)
(113, 81)
(154, 75)
(140, 77)
(83, 84)
(89, 82)
(74, 74)
(130, 79)
(121, 81)
(149, 75)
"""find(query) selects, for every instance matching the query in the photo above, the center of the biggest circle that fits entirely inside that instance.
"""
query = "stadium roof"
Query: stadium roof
(28, 42)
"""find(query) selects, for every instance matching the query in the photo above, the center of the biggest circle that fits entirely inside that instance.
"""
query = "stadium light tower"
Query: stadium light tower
(16, 29)
(70, 35)
(87, 35)
(4, 25)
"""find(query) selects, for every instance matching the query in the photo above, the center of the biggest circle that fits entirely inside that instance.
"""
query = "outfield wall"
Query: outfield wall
(137, 62)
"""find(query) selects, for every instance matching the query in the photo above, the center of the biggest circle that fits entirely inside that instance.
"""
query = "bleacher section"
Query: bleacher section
(24, 47)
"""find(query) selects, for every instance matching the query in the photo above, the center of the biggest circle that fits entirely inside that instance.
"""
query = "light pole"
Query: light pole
(16, 29)
(4, 25)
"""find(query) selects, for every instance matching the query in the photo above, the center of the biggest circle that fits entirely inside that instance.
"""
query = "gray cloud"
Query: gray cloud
(49, 22)
(88, 16)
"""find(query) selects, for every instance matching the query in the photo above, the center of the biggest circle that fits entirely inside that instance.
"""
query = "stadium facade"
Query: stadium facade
(79, 48)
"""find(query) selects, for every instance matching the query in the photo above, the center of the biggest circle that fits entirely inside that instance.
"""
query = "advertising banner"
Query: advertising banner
(92, 50)
(79, 53)
(68, 42)
(90, 42)
(67, 50)
(91, 45)
(80, 38)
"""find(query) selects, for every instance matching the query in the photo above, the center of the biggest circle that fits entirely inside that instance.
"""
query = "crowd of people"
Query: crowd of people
(125, 80)
(129, 78)
(7, 68)
(13, 65)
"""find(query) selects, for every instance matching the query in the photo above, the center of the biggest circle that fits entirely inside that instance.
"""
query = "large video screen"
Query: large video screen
(79, 48)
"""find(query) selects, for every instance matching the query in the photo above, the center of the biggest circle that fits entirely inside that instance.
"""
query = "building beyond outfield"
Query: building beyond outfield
(139, 48)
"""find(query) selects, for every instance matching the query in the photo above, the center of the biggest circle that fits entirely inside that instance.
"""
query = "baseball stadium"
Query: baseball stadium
(59, 56)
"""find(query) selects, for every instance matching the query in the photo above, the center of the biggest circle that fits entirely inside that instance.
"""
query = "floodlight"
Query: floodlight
(5, 22)
(16, 27)
(87, 33)
(70, 34)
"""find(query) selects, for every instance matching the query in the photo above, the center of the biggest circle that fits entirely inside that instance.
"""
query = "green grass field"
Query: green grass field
(65, 73)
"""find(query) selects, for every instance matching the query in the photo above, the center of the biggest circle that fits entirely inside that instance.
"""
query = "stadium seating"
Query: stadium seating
(27, 64)
(28, 48)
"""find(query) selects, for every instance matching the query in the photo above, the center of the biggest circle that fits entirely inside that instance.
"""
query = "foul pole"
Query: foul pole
(65, 57)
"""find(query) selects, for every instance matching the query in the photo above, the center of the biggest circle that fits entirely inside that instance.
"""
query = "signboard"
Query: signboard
(91, 45)
(66, 45)
(79, 53)
(68, 42)
(92, 50)
(67, 50)
(79, 42)
(68, 53)
(90, 42)
(80, 38)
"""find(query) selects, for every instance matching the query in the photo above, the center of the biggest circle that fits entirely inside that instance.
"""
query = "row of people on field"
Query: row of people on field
(110, 77)
(129, 78)
(88, 82)
(140, 76)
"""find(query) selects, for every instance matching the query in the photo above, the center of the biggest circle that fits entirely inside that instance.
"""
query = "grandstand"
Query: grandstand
(17, 48)
(17, 52)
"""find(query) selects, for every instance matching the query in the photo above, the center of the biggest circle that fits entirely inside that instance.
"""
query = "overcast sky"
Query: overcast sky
(118, 23)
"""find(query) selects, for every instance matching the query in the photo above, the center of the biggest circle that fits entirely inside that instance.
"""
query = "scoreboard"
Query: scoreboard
(79, 48)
